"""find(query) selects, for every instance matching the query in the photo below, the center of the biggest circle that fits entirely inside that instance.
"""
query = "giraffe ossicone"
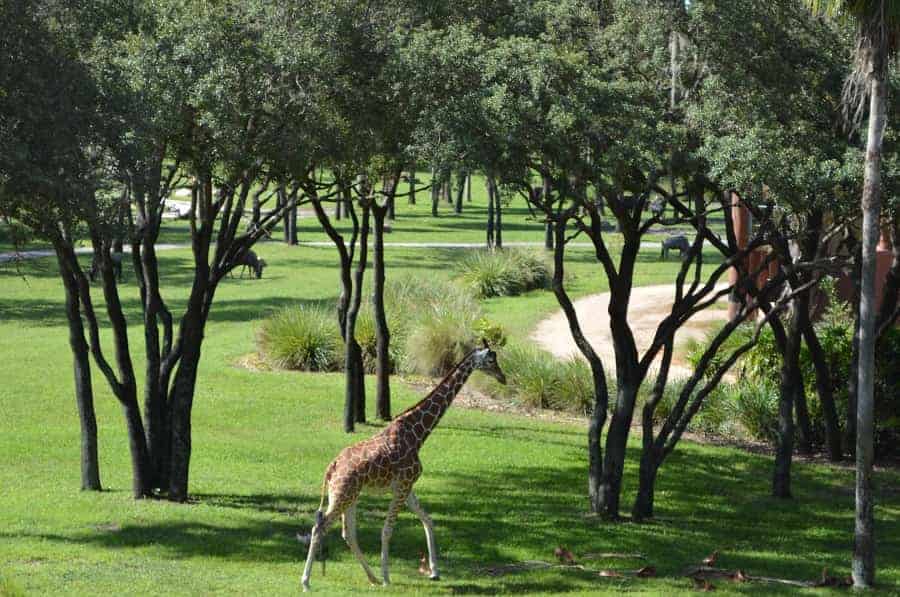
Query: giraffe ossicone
(390, 461)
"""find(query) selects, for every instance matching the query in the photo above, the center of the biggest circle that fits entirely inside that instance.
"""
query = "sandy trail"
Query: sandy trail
(649, 305)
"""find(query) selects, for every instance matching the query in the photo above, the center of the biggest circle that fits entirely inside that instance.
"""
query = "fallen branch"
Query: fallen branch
(613, 556)
(645, 572)
(701, 573)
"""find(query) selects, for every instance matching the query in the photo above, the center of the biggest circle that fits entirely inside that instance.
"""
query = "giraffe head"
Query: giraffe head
(485, 360)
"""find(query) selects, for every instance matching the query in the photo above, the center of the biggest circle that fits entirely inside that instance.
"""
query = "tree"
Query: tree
(878, 26)
(49, 174)
(753, 119)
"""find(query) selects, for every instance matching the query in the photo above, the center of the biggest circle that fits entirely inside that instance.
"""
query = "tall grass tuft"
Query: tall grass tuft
(504, 273)
(540, 380)
(300, 338)
(433, 323)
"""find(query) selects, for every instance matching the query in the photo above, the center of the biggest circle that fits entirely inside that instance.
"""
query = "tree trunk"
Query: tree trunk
(412, 186)
(84, 394)
(790, 371)
(490, 213)
(469, 188)
(291, 220)
(805, 445)
(598, 375)
(498, 221)
(864, 544)
(382, 333)
(435, 193)
(643, 504)
(461, 184)
(616, 448)
(355, 390)
(181, 403)
(447, 189)
(824, 391)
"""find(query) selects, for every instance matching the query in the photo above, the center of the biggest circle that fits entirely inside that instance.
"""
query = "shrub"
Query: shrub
(433, 323)
(503, 273)
(540, 380)
(302, 338)
(439, 339)
(756, 408)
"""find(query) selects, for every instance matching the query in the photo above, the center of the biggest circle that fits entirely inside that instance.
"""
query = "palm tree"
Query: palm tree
(878, 27)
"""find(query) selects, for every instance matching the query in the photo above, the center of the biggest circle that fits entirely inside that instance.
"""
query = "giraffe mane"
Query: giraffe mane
(439, 384)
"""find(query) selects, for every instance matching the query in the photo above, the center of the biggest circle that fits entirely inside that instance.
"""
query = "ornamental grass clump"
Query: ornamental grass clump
(538, 379)
(300, 338)
(503, 273)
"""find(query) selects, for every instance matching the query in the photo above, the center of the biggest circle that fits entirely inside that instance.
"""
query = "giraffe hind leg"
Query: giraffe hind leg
(350, 538)
(400, 493)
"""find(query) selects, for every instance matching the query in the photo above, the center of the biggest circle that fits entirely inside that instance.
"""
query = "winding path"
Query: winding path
(649, 305)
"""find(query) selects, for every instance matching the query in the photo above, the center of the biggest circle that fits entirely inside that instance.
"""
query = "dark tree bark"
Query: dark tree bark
(790, 379)
(805, 445)
(412, 186)
(809, 248)
(382, 332)
(469, 187)
(824, 391)
(498, 220)
(489, 232)
(355, 395)
(292, 225)
(601, 391)
(435, 192)
(460, 190)
(84, 395)
(353, 367)
(447, 189)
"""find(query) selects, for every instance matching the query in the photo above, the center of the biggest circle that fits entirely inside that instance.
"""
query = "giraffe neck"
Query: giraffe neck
(430, 409)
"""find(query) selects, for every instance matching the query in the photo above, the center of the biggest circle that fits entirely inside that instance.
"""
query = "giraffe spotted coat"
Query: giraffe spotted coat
(390, 461)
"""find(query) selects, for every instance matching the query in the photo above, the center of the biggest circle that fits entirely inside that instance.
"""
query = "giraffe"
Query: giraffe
(390, 461)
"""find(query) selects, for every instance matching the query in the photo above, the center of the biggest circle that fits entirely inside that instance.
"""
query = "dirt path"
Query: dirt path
(649, 305)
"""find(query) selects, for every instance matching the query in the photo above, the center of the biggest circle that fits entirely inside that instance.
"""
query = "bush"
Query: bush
(439, 340)
(756, 409)
(301, 338)
(433, 324)
(540, 380)
(504, 273)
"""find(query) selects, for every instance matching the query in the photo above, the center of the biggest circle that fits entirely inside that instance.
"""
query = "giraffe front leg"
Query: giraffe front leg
(316, 535)
(350, 538)
(388, 530)
(413, 503)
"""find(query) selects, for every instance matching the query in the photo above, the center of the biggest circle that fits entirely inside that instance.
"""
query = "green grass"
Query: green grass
(500, 487)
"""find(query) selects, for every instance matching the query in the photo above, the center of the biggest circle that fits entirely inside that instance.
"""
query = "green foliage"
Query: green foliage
(301, 338)
(504, 273)
(753, 399)
(491, 332)
(538, 379)
(756, 409)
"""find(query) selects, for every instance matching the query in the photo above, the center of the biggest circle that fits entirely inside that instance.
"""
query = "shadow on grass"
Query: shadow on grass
(706, 500)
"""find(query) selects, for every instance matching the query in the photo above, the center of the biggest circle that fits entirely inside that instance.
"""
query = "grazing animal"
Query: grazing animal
(116, 258)
(250, 260)
(390, 461)
(679, 241)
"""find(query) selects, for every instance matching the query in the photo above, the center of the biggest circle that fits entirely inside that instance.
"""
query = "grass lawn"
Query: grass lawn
(500, 487)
